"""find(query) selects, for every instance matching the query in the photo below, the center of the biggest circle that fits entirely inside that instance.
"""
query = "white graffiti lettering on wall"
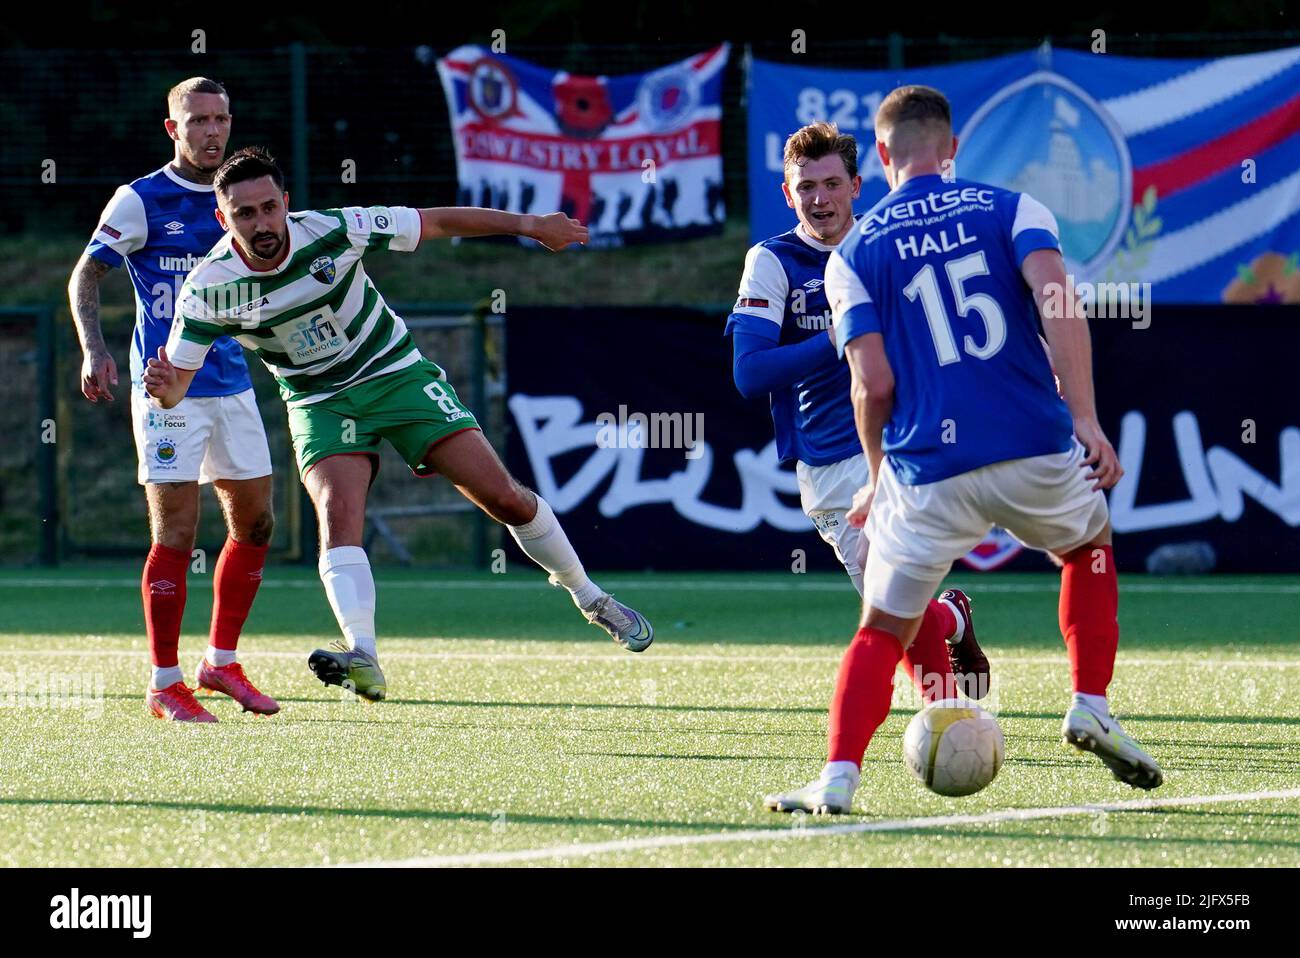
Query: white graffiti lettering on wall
(1218, 481)
(551, 426)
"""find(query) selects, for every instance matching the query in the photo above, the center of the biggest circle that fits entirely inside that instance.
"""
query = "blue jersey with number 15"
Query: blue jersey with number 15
(934, 268)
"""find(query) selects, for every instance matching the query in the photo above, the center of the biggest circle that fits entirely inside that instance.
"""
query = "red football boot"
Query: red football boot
(231, 680)
(177, 703)
(969, 663)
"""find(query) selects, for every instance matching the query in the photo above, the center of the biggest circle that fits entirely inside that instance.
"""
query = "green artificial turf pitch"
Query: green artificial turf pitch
(517, 734)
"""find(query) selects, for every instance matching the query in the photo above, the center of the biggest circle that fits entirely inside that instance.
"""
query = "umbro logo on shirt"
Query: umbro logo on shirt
(813, 284)
(179, 264)
(174, 228)
(822, 320)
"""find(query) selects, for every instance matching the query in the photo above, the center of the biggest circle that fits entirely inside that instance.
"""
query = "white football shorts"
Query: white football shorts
(200, 438)
(826, 494)
(917, 532)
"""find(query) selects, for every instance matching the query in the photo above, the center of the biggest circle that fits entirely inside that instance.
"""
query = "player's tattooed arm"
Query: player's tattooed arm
(555, 231)
(98, 371)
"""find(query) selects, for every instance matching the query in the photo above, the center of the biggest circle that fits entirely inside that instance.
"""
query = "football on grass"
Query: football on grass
(954, 747)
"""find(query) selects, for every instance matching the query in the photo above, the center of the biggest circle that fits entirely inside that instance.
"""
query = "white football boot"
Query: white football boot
(822, 796)
(625, 625)
(1102, 736)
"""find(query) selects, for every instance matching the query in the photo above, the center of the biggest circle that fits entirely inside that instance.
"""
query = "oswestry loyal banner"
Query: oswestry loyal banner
(636, 157)
(1184, 174)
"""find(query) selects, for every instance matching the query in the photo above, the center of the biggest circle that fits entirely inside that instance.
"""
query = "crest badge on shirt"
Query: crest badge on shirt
(165, 453)
(322, 269)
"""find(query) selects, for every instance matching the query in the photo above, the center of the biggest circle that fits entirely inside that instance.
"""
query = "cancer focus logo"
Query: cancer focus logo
(1045, 136)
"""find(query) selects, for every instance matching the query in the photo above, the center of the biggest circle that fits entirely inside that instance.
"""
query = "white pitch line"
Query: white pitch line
(442, 585)
(584, 850)
(619, 660)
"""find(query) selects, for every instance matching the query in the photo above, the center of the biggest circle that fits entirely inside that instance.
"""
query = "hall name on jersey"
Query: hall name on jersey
(927, 243)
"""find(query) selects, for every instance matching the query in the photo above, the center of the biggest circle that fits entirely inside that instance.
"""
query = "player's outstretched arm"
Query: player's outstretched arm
(98, 371)
(166, 383)
(1066, 325)
(555, 231)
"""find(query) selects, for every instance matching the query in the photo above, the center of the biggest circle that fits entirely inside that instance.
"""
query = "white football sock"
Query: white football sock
(350, 587)
(1096, 704)
(163, 677)
(961, 622)
(219, 657)
(545, 543)
(848, 770)
(856, 578)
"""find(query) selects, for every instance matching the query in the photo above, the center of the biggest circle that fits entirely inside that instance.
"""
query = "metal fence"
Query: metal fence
(98, 117)
(78, 124)
(29, 509)
(68, 472)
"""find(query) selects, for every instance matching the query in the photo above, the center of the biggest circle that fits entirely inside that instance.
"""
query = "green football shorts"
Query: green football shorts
(412, 408)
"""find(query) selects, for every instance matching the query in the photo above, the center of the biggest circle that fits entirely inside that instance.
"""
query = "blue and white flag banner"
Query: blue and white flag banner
(1184, 174)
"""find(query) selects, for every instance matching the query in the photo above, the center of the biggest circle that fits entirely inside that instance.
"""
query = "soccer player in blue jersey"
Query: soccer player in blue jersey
(780, 330)
(937, 294)
(161, 226)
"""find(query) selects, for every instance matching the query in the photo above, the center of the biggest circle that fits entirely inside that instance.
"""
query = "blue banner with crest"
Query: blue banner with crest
(1181, 174)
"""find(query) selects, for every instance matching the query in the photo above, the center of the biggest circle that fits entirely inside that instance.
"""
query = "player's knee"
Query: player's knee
(341, 518)
(511, 503)
(258, 531)
(174, 523)
(174, 538)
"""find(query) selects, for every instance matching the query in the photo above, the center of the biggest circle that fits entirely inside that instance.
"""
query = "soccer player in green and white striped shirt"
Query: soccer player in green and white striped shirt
(292, 287)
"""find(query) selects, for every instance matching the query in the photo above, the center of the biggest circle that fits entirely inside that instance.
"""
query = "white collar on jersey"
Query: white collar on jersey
(815, 244)
(181, 181)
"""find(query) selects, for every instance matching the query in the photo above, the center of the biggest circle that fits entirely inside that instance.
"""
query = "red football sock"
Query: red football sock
(163, 589)
(1088, 614)
(863, 691)
(926, 659)
(234, 587)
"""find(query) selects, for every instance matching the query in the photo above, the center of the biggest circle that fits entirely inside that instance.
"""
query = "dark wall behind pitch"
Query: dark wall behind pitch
(1207, 371)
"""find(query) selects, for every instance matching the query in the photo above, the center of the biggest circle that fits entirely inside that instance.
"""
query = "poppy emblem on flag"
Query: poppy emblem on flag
(582, 106)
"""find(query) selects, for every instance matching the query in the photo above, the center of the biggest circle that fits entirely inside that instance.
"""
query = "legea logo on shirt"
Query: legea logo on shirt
(311, 338)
